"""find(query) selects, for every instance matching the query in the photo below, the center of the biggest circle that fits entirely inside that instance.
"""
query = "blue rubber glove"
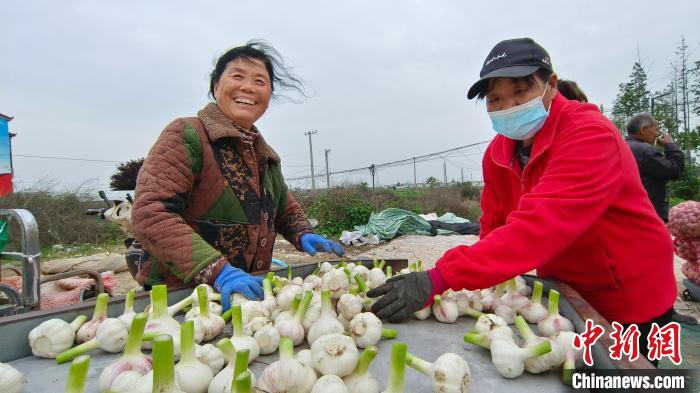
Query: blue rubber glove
(312, 242)
(231, 279)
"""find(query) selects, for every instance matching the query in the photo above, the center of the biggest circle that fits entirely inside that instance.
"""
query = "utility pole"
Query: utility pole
(462, 174)
(328, 172)
(415, 181)
(372, 171)
(444, 171)
(311, 157)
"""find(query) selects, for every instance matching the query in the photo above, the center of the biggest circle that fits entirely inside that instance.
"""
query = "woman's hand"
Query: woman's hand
(231, 279)
(402, 295)
(312, 242)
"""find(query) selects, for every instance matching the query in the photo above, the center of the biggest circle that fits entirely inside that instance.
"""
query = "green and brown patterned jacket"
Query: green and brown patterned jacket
(210, 193)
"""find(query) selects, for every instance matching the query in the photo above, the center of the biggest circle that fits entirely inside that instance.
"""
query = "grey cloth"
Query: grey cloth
(656, 170)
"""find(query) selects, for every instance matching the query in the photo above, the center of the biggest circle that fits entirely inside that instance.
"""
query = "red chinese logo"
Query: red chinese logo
(626, 342)
(586, 339)
(665, 341)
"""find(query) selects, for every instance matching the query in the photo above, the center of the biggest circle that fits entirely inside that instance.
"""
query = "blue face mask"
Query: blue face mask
(520, 122)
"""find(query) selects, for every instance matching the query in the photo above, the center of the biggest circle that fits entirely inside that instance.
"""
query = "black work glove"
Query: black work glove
(402, 296)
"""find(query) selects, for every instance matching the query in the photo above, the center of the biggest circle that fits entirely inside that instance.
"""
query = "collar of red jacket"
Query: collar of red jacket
(503, 149)
(218, 126)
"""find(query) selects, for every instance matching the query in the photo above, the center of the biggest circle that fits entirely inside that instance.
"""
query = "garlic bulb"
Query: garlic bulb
(488, 322)
(554, 322)
(268, 339)
(509, 359)
(287, 374)
(160, 321)
(329, 384)
(252, 309)
(293, 328)
(286, 314)
(448, 374)
(54, 336)
(237, 363)
(87, 331)
(325, 268)
(366, 329)
(512, 297)
(269, 300)
(464, 303)
(571, 355)
(11, 380)
(111, 337)
(491, 299)
(506, 312)
(446, 310)
(545, 362)
(334, 354)
(211, 356)
(349, 305)
(214, 308)
(337, 282)
(239, 340)
(254, 325)
(423, 313)
(211, 324)
(327, 322)
(534, 311)
(361, 381)
(192, 375)
(132, 360)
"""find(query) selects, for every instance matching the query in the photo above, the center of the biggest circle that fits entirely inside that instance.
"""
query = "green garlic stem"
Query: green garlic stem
(267, 289)
(76, 351)
(537, 350)
(389, 333)
(100, 306)
(418, 364)
(237, 321)
(524, 329)
(129, 301)
(299, 315)
(473, 313)
(419, 265)
(286, 348)
(226, 346)
(78, 322)
(381, 264)
(289, 272)
(203, 300)
(187, 349)
(163, 364)
(376, 263)
(240, 366)
(437, 299)
(326, 305)
(361, 283)
(536, 293)
(295, 304)
(159, 301)
(366, 359)
(133, 343)
(227, 315)
(388, 272)
(500, 288)
(243, 383)
(77, 376)
(553, 302)
(398, 368)
(476, 338)
(317, 270)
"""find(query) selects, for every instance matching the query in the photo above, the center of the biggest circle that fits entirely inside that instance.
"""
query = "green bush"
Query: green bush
(688, 186)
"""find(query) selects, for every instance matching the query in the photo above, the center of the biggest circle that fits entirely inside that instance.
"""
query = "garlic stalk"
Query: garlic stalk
(211, 356)
(129, 313)
(287, 314)
(448, 374)
(571, 355)
(87, 331)
(329, 384)
(388, 272)
(287, 374)
(398, 368)
(160, 321)
(268, 339)
(542, 363)
(11, 380)
(446, 310)
(243, 383)
(313, 313)
(361, 381)
(337, 281)
(488, 322)
(239, 340)
(237, 362)
(111, 337)
(163, 365)
(485, 339)
(212, 324)
(192, 375)
(131, 360)
(554, 322)
(334, 354)
(77, 375)
(292, 327)
(54, 336)
(534, 311)
(269, 301)
(512, 297)
(509, 359)
(366, 329)
(362, 271)
(327, 322)
(214, 308)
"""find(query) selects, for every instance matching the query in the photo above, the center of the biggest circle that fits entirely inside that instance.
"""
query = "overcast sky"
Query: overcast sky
(386, 80)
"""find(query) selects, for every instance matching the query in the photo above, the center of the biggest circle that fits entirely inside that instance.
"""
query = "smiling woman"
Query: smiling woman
(210, 197)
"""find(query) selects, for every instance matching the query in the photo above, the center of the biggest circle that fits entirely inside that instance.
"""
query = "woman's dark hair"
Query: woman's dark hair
(571, 91)
(529, 80)
(280, 75)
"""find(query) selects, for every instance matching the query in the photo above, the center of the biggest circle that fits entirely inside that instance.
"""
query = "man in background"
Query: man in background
(655, 169)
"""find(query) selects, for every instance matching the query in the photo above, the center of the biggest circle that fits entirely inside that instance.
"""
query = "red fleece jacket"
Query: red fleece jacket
(577, 213)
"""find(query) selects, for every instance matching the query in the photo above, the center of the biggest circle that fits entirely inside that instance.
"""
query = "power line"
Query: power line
(63, 158)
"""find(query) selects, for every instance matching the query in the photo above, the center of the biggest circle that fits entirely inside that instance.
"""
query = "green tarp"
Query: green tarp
(393, 222)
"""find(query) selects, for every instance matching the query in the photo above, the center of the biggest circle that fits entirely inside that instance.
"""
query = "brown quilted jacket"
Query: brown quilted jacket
(211, 193)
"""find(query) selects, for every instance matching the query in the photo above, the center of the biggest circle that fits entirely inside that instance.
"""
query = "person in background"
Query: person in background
(655, 169)
(210, 197)
(571, 91)
(561, 195)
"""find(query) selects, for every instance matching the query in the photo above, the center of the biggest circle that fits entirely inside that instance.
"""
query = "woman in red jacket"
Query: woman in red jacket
(561, 194)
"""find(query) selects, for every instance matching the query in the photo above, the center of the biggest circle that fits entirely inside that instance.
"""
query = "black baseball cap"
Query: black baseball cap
(511, 58)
